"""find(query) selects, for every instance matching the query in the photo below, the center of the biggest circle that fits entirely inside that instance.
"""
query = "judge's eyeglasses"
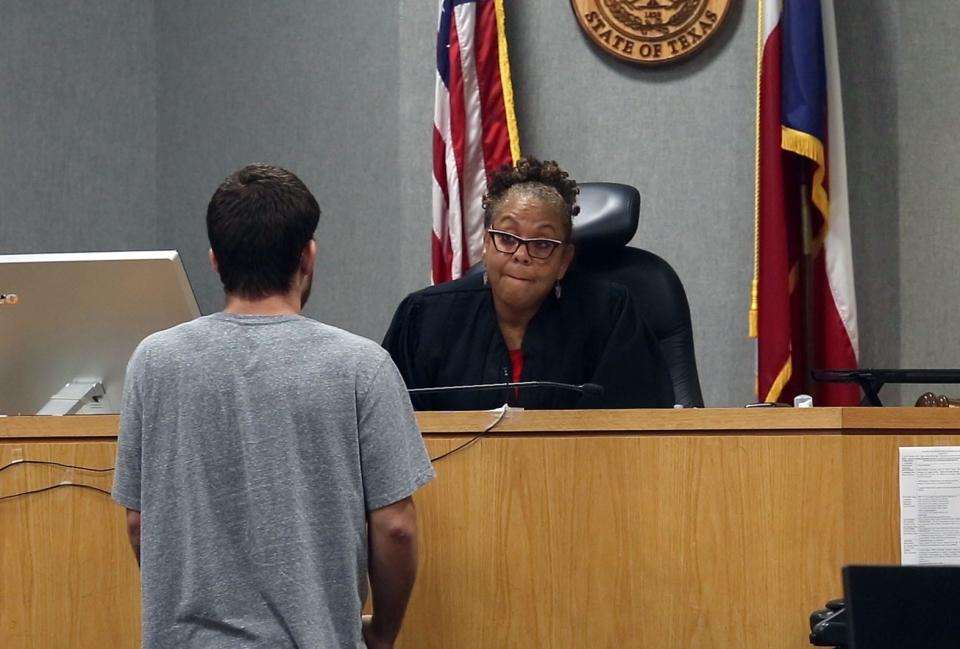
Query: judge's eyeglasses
(510, 243)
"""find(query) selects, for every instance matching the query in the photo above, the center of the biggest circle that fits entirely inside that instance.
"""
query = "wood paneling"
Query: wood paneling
(47, 427)
(628, 541)
(69, 579)
(649, 529)
(743, 421)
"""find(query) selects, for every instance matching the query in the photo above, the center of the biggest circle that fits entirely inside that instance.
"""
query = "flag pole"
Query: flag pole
(753, 314)
(807, 275)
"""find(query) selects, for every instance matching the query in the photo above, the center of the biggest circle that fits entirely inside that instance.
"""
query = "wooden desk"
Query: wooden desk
(653, 529)
(68, 579)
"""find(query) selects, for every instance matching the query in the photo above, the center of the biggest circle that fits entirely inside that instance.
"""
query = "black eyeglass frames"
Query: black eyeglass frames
(537, 248)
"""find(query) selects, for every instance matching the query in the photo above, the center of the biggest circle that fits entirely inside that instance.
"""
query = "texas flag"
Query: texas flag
(803, 307)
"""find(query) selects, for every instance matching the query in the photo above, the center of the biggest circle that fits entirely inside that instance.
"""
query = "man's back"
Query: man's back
(263, 441)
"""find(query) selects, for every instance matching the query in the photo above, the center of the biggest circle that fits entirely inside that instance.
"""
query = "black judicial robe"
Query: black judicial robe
(448, 335)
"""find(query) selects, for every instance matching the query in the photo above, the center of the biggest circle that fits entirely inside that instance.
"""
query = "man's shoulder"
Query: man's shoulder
(166, 339)
(345, 342)
(161, 348)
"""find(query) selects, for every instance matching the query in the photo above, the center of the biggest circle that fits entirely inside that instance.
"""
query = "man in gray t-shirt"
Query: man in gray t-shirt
(264, 458)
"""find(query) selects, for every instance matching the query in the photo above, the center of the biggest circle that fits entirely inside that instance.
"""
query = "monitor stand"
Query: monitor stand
(79, 396)
(872, 380)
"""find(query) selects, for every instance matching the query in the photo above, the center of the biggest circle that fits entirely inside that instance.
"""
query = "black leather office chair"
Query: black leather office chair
(608, 219)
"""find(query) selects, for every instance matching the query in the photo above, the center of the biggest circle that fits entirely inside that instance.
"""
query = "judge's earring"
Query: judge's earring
(557, 290)
(485, 278)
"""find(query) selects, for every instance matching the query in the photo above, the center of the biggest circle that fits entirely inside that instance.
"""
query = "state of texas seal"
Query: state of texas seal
(650, 31)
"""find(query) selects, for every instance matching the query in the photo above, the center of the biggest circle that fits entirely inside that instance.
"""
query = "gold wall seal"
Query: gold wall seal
(650, 31)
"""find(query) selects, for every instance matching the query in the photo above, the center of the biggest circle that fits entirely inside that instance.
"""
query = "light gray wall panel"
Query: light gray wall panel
(310, 86)
(868, 46)
(417, 76)
(929, 188)
(77, 126)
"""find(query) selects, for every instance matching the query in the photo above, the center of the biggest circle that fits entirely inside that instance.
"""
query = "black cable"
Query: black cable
(52, 463)
(471, 441)
(55, 486)
(62, 484)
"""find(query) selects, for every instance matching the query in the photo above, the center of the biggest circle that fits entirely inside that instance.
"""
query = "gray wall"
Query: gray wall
(77, 126)
(901, 93)
(929, 165)
(312, 86)
(870, 90)
(120, 118)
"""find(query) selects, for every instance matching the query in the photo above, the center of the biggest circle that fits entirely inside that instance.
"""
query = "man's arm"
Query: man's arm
(392, 539)
(133, 532)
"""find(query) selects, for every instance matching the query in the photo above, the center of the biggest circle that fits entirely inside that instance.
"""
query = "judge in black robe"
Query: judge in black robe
(448, 335)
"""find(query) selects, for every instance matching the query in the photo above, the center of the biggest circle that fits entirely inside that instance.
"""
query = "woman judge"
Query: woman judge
(524, 318)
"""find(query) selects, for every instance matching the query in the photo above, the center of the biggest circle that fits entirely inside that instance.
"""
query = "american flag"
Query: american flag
(804, 304)
(474, 128)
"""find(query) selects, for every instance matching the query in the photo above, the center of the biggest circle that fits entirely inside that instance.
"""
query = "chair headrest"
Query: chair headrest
(608, 218)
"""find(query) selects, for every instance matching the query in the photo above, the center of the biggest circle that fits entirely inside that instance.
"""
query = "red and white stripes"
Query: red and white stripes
(474, 130)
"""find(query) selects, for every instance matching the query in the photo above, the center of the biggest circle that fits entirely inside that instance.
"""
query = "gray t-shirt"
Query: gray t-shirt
(254, 446)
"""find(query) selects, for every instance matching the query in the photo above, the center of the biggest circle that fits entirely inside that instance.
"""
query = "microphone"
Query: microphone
(592, 389)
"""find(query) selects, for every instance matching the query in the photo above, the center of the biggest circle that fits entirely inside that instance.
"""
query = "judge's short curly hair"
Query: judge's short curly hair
(533, 178)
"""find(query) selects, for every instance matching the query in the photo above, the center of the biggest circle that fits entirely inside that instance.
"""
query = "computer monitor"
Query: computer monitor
(69, 322)
(894, 607)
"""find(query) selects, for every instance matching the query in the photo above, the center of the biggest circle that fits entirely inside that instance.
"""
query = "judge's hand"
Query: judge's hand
(370, 636)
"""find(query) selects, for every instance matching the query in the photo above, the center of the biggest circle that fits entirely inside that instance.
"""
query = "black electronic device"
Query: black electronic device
(870, 381)
(902, 607)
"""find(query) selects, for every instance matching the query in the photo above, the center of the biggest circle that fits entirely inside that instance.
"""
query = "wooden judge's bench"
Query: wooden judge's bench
(713, 529)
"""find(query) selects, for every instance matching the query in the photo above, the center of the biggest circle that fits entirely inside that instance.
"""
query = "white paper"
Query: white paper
(930, 505)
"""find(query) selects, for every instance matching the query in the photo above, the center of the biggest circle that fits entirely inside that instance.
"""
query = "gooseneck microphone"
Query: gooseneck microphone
(592, 389)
